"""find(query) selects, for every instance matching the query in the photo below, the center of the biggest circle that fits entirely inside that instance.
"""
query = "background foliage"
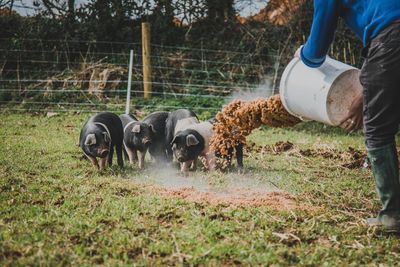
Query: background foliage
(200, 41)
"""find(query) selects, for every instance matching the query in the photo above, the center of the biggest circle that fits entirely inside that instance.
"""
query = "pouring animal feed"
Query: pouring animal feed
(325, 96)
(239, 118)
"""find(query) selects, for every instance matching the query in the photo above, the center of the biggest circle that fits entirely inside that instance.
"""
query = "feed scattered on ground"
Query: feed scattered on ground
(350, 159)
(278, 200)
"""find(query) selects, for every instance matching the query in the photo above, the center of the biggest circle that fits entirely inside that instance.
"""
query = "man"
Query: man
(377, 24)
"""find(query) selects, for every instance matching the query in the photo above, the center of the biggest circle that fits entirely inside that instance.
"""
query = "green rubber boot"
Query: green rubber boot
(385, 167)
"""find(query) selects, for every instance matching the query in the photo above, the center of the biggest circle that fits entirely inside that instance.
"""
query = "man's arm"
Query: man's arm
(326, 14)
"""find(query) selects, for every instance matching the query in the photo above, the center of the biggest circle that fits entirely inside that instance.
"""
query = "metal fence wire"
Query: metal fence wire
(88, 76)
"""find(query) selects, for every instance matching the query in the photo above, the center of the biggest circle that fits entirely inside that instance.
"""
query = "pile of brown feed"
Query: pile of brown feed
(239, 118)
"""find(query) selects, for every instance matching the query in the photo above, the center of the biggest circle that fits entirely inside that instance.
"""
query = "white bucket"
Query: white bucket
(324, 94)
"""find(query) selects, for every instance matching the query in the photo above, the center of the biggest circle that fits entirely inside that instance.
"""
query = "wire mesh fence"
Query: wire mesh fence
(88, 76)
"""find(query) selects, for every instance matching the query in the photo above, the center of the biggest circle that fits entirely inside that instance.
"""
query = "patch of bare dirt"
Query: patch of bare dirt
(279, 200)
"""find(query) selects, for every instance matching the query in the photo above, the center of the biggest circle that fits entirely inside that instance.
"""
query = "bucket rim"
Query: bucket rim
(282, 86)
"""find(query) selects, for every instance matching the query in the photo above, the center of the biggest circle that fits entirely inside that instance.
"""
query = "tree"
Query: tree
(7, 4)
(58, 8)
(279, 12)
(220, 11)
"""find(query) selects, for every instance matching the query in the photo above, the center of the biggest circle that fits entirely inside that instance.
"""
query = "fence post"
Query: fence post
(128, 91)
(146, 59)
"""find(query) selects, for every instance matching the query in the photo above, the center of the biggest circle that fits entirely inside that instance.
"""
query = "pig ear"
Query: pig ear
(152, 128)
(106, 137)
(191, 140)
(136, 129)
(90, 140)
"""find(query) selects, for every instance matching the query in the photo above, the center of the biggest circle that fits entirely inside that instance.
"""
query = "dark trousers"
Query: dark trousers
(380, 77)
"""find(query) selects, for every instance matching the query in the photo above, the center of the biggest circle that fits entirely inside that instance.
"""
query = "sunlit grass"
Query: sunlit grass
(55, 209)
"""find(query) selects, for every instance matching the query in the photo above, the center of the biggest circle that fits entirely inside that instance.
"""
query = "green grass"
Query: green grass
(60, 101)
(55, 209)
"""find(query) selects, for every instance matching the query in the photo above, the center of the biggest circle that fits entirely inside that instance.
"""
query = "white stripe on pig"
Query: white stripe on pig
(205, 129)
(182, 124)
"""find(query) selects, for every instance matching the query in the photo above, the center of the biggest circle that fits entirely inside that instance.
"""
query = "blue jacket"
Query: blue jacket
(365, 17)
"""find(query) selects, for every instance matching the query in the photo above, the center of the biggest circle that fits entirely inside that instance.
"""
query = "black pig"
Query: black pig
(146, 135)
(158, 146)
(137, 138)
(187, 116)
(127, 122)
(99, 135)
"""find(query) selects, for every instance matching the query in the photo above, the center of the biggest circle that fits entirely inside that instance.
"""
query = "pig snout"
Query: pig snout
(179, 156)
(146, 141)
(103, 153)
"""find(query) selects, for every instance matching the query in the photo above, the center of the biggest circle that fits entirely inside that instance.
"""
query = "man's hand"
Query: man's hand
(354, 119)
(297, 53)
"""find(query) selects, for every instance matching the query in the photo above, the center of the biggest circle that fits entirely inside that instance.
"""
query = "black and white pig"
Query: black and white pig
(191, 140)
(143, 136)
(188, 117)
(99, 136)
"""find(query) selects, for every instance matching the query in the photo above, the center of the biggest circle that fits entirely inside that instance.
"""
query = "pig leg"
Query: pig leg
(135, 156)
(210, 161)
(103, 163)
(94, 161)
(170, 154)
(239, 155)
(132, 155)
(228, 158)
(110, 156)
(125, 153)
(142, 154)
(168, 159)
(120, 159)
(193, 166)
(185, 166)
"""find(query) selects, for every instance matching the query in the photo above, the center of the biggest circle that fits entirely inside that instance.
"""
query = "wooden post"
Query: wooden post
(146, 59)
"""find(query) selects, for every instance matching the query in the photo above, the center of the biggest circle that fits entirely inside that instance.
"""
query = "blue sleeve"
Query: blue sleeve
(326, 15)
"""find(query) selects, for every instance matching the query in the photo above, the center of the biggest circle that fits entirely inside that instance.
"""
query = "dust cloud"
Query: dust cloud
(217, 182)
(263, 90)
(216, 188)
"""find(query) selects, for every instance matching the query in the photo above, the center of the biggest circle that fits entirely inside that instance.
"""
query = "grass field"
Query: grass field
(55, 209)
